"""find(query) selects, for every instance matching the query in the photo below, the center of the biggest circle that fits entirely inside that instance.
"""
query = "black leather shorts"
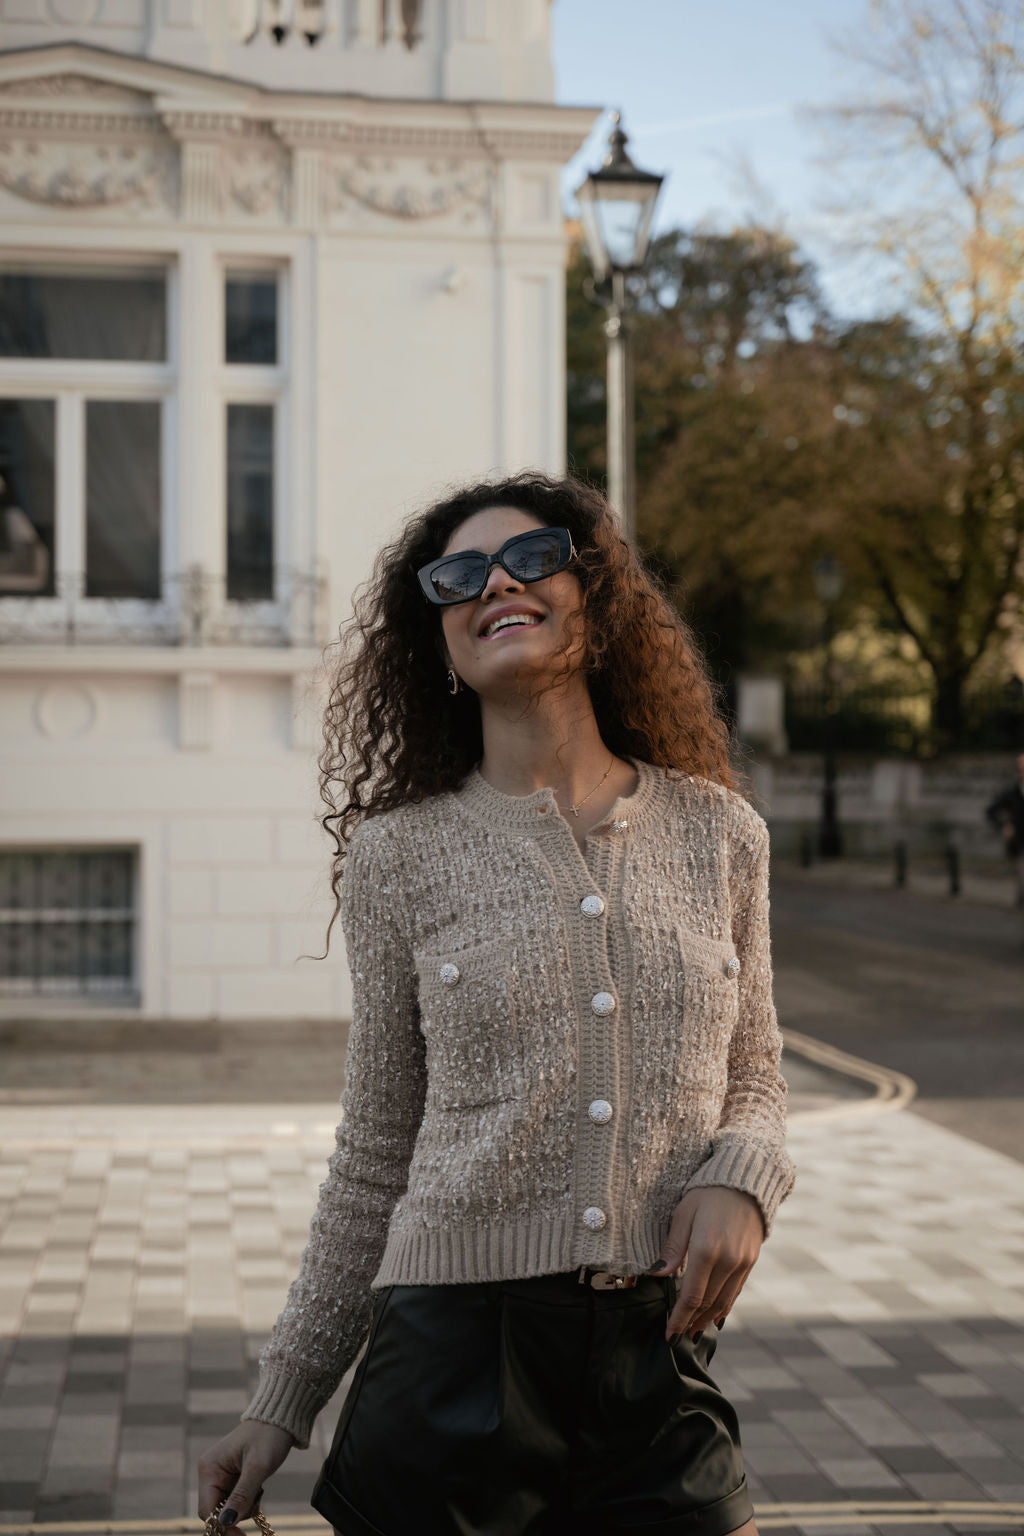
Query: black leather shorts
(537, 1407)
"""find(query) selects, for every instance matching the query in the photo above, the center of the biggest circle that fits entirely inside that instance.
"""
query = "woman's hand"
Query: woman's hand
(718, 1231)
(236, 1468)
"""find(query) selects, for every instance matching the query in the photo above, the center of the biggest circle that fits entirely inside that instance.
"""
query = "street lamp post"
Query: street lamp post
(829, 579)
(616, 209)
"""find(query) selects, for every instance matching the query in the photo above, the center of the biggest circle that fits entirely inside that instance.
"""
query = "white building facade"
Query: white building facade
(258, 301)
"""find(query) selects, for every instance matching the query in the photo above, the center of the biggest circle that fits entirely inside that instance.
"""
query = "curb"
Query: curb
(893, 1090)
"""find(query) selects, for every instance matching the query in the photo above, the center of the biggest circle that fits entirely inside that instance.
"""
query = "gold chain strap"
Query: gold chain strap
(213, 1526)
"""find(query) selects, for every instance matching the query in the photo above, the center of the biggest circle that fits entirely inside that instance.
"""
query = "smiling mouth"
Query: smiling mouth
(520, 624)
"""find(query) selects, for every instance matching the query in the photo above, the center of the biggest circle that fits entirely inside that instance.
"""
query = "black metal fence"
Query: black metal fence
(898, 722)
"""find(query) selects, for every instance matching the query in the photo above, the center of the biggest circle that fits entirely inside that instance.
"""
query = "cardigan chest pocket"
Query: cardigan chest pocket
(709, 993)
(468, 1018)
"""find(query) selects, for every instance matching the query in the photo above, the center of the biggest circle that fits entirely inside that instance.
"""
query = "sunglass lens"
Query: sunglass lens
(458, 579)
(536, 557)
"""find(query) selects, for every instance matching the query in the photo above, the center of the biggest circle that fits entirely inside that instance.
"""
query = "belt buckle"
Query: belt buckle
(606, 1280)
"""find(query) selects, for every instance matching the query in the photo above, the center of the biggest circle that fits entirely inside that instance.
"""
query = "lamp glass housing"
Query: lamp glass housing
(616, 212)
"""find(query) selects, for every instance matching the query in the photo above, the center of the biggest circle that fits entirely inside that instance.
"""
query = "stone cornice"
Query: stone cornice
(81, 89)
(205, 126)
(422, 138)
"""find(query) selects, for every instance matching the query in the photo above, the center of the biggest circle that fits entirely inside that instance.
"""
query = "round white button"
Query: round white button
(449, 974)
(593, 906)
(594, 1218)
(600, 1111)
(732, 967)
(602, 1002)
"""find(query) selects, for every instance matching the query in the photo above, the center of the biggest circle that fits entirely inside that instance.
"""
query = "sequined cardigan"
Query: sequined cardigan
(547, 1049)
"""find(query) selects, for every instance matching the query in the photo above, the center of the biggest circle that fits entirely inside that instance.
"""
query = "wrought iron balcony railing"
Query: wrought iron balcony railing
(195, 608)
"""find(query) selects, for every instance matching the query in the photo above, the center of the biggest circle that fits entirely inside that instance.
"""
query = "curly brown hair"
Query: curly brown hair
(409, 737)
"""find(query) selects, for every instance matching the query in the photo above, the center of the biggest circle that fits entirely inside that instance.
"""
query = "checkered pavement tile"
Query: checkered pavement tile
(875, 1356)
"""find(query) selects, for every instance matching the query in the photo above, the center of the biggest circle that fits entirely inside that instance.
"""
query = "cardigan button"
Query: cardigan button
(594, 1218)
(449, 974)
(600, 1111)
(732, 968)
(603, 1002)
(593, 906)
(619, 826)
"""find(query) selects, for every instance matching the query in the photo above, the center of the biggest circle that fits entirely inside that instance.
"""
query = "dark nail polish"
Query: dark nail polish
(228, 1516)
(721, 1325)
(660, 1265)
(698, 1335)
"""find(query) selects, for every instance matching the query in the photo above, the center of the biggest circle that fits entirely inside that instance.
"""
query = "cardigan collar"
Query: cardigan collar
(540, 811)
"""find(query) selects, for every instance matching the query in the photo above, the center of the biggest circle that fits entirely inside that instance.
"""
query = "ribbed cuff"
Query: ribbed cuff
(288, 1402)
(766, 1173)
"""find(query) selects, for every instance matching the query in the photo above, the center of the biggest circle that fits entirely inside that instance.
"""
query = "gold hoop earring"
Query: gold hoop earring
(454, 682)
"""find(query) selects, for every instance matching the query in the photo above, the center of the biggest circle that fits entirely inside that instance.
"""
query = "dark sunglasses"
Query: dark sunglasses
(527, 556)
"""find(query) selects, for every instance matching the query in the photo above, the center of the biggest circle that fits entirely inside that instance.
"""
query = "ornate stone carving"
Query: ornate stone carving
(387, 188)
(85, 175)
(66, 710)
(256, 175)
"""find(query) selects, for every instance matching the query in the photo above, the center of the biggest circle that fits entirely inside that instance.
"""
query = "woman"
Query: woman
(563, 1068)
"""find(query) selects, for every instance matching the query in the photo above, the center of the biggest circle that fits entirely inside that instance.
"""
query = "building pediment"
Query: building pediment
(80, 76)
(69, 86)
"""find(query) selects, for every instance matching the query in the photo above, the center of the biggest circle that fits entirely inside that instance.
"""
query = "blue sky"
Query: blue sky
(703, 87)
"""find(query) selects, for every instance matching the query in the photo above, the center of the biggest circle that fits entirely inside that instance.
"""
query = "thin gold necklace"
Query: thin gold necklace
(597, 786)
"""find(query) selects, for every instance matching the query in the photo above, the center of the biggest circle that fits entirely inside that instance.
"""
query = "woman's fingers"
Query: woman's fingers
(722, 1302)
(233, 1471)
(216, 1479)
(697, 1298)
(239, 1504)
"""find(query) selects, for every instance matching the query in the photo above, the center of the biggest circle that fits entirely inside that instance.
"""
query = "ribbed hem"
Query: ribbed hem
(288, 1402)
(768, 1175)
(542, 1246)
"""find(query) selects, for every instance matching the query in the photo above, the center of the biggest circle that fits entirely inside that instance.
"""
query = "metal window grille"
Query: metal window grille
(67, 922)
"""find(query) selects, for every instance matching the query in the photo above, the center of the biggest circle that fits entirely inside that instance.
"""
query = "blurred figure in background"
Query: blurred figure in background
(1006, 812)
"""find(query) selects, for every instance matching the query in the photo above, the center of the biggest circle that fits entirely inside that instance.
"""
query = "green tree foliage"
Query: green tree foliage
(769, 430)
(730, 366)
(931, 156)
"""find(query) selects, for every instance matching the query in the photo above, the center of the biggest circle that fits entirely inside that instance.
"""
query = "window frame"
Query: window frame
(35, 992)
(70, 383)
(257, 384)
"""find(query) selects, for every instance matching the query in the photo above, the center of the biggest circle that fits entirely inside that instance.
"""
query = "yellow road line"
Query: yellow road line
(284, 1525)
(893, 1090)
(769, 1516)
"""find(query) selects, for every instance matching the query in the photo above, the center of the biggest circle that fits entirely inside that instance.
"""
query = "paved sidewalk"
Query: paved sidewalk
(876, 1355)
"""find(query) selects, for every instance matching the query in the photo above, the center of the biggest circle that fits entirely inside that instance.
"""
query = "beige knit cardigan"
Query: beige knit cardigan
(548, 1048)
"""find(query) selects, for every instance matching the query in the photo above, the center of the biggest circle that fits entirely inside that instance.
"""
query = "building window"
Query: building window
(255, 384)
(122, 498)
(67, 922)
(250, 318)
(97, 315)
(27, 501)
(85, 381)
(250, 498)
